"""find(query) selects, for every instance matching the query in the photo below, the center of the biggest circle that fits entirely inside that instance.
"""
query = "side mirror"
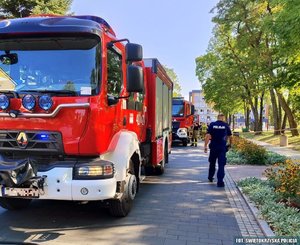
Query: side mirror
(134, 52)
(9, 59)
(192, 110)
(135, 79)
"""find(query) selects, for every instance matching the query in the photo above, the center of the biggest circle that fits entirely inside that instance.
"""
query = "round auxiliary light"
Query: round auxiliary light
(45, 102)
(4, 102)
(28, 102)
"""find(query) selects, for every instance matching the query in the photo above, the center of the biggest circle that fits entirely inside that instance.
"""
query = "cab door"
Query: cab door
(113, 86)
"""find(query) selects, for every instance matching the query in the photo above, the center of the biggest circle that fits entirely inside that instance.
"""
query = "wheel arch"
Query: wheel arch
(123, 148)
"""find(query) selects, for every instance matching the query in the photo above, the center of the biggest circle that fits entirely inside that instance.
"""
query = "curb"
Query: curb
(262, 223)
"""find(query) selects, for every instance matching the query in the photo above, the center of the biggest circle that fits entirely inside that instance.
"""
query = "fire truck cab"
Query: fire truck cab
(182, 120)
(74, 113)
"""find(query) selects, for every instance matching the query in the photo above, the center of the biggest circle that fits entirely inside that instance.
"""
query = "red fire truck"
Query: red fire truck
(182, 120)
(82, 116)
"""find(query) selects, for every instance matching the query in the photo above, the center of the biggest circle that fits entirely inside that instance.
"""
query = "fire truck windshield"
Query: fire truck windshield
(178, 110)
(58, 65)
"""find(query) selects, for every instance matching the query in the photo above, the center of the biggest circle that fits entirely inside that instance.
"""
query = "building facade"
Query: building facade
(203, 111)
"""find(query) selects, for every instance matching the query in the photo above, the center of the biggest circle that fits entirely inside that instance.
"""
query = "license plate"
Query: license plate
(20, 192)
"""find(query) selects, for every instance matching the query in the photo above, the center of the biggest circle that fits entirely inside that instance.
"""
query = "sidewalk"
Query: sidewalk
(285, 151)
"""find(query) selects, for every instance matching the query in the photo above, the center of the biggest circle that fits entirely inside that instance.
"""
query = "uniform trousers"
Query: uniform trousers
(220, 154)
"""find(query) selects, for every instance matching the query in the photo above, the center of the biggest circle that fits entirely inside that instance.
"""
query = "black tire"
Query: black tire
(166, 155)
(159, 170)
(184, 142)
(122, 206)
(149, 170)
(14, 203)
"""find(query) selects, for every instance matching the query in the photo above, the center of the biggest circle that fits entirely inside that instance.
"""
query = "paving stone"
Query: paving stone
(174, 242)
(176, 232)
(188, 238)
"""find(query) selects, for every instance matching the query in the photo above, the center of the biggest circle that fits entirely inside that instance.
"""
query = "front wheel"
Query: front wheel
(122, 206)
(166, 155)
(160, 169)
(14, 203)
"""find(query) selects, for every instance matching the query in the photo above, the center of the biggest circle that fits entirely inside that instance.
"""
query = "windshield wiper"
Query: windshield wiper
(58, 92)
(14, 93)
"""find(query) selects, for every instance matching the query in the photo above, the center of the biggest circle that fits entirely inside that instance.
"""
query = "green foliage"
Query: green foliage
(274, 158)
(285, 178)
(284, 220)
(235, 158)
(219, 82)
(254, 50)
(60, 7)
(285, 23)
(246, 152)
(252, 153)
(177, 88)
(24, 8)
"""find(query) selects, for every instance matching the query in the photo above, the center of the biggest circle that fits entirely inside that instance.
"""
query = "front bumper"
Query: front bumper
(179, 135)
(59, 184)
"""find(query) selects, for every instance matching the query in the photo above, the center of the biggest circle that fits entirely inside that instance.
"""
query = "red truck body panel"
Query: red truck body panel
(157, 76)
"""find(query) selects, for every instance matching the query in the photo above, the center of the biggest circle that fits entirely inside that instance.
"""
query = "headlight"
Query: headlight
(4, 102)
(28, 102)
(94, 170)
(45, 102)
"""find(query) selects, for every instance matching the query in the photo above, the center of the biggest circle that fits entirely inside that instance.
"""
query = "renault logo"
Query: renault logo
(22, 140)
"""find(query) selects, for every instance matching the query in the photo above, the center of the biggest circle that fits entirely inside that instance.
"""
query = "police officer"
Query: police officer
(218, 133)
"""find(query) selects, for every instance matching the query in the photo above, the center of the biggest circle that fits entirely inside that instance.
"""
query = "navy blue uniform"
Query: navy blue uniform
(219, 132)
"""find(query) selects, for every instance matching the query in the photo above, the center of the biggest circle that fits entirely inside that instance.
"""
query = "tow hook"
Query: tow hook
(39, 183)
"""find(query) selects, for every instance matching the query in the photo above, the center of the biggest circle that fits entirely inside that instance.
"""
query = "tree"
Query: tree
(176, 85)
(218, 83)
(249, 47)
(24, 8)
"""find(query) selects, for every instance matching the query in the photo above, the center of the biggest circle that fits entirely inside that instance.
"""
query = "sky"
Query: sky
(173, 31)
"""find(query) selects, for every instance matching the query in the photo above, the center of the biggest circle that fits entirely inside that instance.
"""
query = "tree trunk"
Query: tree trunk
(275, 113)
(247, 118)
(261, 108)
(229, 120)
(283, 126)
(256, 117)
(290, 116)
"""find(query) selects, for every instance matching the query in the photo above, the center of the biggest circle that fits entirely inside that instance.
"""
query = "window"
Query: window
(177, 110)
(188, 109)
(114, 73)
(43, 66)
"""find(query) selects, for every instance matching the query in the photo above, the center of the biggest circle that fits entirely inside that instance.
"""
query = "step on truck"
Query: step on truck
(182, 120)
(82, 116)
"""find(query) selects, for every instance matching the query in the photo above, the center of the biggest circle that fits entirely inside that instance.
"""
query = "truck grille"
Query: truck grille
(41, 142)
(175, 126)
